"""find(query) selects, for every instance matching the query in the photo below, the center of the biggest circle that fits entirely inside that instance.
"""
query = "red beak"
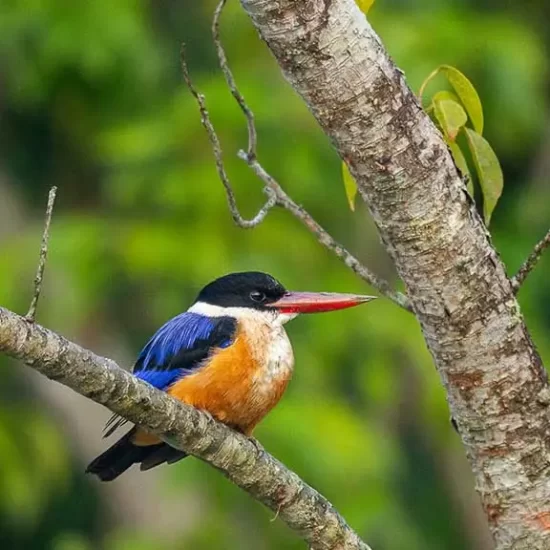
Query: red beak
(318, 302)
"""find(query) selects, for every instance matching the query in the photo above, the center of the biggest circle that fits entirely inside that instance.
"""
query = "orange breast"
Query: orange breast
(229, 389)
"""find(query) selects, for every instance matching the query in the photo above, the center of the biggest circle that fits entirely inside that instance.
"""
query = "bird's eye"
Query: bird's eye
(257, 296)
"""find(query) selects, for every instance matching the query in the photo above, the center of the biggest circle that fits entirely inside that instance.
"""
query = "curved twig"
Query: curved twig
(218, 155)
(230, 80)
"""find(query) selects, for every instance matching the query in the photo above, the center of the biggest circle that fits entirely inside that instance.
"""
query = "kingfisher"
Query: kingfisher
(228, 355)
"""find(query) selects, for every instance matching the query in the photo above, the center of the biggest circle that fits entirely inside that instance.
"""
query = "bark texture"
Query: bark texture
(496, 385)
(240, 459)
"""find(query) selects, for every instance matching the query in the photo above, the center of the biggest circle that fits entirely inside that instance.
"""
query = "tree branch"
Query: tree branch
(240, 459)
(31, 314)
(496, 385)
(271, 187)
(530, 262)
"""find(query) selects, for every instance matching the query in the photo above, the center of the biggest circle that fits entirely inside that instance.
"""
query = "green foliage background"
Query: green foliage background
(92, 101)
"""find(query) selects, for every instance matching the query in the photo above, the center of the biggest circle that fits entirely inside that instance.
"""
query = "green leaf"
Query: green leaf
(467, 94)
(365, 5)
(450, 114)
(445, 94)
(488, 170)
(462, 165)
(427, 80)
(349, 185)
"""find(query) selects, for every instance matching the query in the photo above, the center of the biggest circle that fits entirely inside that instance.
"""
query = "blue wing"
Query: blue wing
(177, 349)
(188, 332)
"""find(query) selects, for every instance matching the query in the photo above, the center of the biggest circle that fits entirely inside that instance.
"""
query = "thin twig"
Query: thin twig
(31, 314)
(271, 186)
(531, 262)
(218, 155)
(252, 135)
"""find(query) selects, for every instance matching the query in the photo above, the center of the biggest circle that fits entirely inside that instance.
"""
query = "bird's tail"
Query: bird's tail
(123, 454)
(116, 459)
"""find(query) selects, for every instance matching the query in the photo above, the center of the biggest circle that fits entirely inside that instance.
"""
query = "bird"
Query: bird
(228, 355)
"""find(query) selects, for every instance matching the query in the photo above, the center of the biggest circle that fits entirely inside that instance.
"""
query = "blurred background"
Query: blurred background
(91, 100)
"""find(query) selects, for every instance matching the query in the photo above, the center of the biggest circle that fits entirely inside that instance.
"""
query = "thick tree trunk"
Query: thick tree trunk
(497, 387)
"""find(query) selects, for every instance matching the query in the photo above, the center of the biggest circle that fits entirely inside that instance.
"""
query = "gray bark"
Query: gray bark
(496, 385)
(240, 459)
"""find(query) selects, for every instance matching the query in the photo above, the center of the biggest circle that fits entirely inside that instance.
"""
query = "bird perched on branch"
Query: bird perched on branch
(228, 354)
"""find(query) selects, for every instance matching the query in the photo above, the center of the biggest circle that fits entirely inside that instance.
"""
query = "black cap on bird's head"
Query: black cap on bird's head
(260, 291)
(248, 289)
